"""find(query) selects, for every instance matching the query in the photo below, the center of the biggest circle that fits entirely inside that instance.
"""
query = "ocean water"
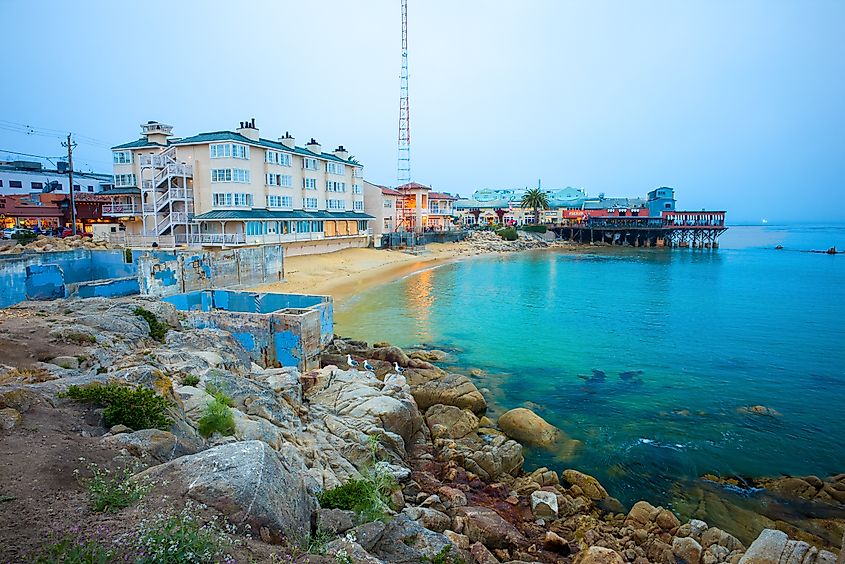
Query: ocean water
(647, 356)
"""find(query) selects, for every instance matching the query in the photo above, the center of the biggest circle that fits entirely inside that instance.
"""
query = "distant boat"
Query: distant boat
(764, 221)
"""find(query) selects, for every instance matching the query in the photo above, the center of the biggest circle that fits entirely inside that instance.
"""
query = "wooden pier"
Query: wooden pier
(698, 230)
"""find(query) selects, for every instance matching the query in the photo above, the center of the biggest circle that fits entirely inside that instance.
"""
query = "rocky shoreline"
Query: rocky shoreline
(461, 493)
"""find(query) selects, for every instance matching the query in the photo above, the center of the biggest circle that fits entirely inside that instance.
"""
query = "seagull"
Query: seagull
(397, 368)
(351, 361)
(367, 365)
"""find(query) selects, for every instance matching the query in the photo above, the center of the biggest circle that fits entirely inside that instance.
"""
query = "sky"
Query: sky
(738, 105)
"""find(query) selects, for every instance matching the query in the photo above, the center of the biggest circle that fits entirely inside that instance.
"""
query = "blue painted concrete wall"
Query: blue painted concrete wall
(44, 282)
(113, 288)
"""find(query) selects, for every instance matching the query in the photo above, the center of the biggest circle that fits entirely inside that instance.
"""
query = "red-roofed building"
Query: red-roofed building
(422, 209)
(24, 210)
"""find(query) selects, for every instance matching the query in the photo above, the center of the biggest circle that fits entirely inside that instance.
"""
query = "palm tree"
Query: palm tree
(536, 199)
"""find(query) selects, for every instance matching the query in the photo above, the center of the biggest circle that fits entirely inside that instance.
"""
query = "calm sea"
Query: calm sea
(647, 356)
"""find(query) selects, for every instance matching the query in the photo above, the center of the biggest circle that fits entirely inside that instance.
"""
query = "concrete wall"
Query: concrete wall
(74, 267)
(176, 272)
(275, 329)
(112, 288)
(325, 246)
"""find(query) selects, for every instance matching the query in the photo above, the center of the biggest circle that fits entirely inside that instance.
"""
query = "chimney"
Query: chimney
(288, 140)
(314, 147)
(248, 129)
(341, 153)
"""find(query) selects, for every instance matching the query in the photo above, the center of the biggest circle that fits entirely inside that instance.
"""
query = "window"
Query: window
(279, 201)
(309, 183)
(90, 188)
(229, 199)
(273, 179)
(222, 150)
(15, 184)
(256, 228)
(277, 157)
(388, 204)
(230, 175)
(37, 185)
(335, 204)
(358, 205)
(335, 168)
(334, 186)
(122, 157)
(310, 203)
(123, 180)
(1, 183)
(76, 187)
(357, 172)
(356, 188)
(309, 164)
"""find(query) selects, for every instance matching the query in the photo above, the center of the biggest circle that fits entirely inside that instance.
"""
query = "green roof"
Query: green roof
(137, 144)
(121, 191)
(262, 214)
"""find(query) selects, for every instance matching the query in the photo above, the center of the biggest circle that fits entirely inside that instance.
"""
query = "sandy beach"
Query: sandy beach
(342, 274)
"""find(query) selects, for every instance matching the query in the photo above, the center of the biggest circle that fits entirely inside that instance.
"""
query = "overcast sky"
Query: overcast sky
(738, 105)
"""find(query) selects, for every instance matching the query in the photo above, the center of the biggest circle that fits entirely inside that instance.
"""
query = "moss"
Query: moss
(137, 408)
(158, 330)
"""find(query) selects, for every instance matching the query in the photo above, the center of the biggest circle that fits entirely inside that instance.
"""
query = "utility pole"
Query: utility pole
(69, 145)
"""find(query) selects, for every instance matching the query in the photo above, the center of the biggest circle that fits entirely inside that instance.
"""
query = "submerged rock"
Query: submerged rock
(527, 427)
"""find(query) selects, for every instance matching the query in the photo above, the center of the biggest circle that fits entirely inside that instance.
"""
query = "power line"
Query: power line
(29, 154)
(48, 132)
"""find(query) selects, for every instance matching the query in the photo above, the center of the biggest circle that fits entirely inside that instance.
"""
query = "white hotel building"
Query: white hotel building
(236, 188)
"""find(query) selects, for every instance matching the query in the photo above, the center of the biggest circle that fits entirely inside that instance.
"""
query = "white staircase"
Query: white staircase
(167, 195)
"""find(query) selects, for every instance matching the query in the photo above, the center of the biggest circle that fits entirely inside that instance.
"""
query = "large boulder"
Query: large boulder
(246, 481)
(449, 421)
(686, 550)
(484, 525)
(766, 549)
(589, 485)
(452, 389)
(527, 427)
(485, 455)
(407, 542)
(162, 446)
(599, 555)
(544, 504)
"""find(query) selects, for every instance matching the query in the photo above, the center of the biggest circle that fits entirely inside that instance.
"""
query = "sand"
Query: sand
(343, 274)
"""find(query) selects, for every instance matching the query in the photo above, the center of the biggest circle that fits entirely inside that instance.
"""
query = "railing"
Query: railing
(121, 209)
(243, 239)
(141, 240)
(216, 239)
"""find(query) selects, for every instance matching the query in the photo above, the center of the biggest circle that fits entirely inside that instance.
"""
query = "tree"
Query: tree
(535, 199)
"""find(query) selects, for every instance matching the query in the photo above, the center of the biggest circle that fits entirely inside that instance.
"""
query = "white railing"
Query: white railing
(141, 240)
(216, 239)
(121, 209)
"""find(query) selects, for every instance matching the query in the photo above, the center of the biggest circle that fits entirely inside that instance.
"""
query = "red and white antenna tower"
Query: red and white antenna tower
(403, 174)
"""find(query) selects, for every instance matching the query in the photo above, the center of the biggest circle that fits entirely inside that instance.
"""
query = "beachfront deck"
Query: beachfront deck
(676, 229)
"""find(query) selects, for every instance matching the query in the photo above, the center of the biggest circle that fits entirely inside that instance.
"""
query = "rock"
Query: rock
(335, 521)
(759, 410)
(449, 421)
(9, 418)
(556, 543)
(162, 446)
(68, 362)
(714, 535)
(600, 555)
(118, 429)
(461, 542)
(544, 504)
(484, 525)
(686, 550)
(490, 459)
(429, 518)
(667, 521)
(453, 389)
(527, 427)
(248, 482)
(452, 497)
(368, 534)
(766, 549)
(589, 485)
(20, 399)
(407, 542)
(345, 550)
(481, 555)
(640, 514)
(391, 354)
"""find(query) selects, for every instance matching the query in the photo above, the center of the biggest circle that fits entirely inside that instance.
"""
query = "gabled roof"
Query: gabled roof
(137, 144)
(440, 196)
(390, 191)
(413, 186)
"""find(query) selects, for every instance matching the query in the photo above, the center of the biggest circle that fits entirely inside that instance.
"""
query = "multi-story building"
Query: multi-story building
(30, 177)
(235, 188)
(382, 203)
(421, 209)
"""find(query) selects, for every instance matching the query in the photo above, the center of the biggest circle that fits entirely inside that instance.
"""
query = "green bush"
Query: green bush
(218, 417)
(70, 550)
(369, 497)
(181, 538)
(157, 329)
(137, 408)
(112, 492)
(190, 380)
(534, 228)
(444, 557)
(24, 237)
(508, 234)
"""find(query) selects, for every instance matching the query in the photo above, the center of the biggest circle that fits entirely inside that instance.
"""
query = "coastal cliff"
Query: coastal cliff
(246, 455)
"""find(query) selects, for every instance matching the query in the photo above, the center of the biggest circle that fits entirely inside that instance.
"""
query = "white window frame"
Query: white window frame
(309, 183)
(228, 150)
(122, 157)
(309, 164)
(310, 203)
(358, 205)
(124, 180)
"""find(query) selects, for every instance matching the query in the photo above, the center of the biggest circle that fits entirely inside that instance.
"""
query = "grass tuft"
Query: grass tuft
(190, 380)
(111, 492)
(218, 417)
(158, 330)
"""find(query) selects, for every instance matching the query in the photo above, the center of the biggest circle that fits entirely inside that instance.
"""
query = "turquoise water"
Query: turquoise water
(646, 356)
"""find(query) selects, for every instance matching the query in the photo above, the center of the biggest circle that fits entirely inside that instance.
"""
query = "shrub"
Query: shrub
(534, 228)
(113, 491)
(190, 380)
(369, 496)
(218, 417)
(157, 329)
(24, 237)
(181, 538)
(71, 550)
(444, 557)
(508, 234)
(137, 408)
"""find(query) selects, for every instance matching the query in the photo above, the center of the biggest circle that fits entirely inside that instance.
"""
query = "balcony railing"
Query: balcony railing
(121, 209)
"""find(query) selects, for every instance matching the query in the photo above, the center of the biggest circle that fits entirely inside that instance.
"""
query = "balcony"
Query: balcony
(121, 210)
